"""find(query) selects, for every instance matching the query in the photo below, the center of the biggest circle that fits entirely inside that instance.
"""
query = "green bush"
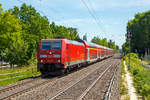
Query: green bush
(133, 55)
(135, 72)
(140, 75)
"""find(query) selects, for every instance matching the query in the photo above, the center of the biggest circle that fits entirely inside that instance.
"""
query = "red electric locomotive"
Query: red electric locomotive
(60, 55)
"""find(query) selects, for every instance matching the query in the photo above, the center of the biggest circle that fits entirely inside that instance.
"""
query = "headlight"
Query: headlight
(56, 56)
(43, 56)
(58, 60)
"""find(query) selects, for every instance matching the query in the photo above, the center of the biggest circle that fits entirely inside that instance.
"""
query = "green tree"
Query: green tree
(10, 27)
(85, 37)
(34, 26)
(104, 42)
(11, 42)
(62, 31)
(125, 47)
(17, 52)
(139, 28)
(73, 33)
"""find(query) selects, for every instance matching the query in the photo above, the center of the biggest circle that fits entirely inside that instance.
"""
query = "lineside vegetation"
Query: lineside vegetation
(140, 34)
(141, 75)
(11, 75)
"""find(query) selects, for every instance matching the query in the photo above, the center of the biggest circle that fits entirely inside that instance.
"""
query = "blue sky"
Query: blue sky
(112, 15)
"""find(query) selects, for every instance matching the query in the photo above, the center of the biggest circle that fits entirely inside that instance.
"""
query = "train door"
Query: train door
(97, 52)
(68, 54)
(99, 55)
(88, 54)
(104, 53)
(85, 52)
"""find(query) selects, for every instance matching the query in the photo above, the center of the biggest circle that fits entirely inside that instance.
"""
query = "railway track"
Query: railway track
(109, 90)
(79, 89)
(101, 90)
(30, 85)
(17, 85)
(98, 79)
(9, 94)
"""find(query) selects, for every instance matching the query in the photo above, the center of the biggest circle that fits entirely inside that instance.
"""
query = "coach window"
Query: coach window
(67, 47)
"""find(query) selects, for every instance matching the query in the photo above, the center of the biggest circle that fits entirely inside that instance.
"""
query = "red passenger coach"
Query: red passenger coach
(60, 55)
(75, 53)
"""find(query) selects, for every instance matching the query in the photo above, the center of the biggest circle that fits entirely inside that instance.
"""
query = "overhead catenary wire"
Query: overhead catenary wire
(40, 11)
(60, 14)
(20, 1)
(52, 9)
(93, 10)
(93, 16)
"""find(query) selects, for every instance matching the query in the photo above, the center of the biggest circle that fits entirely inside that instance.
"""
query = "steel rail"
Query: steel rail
(17, 85)
(93, 84)
(28, 89)
(60, 92)
(108, 93)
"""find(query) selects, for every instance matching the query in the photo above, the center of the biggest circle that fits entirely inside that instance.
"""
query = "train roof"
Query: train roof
(75, 42)
(80, 41)
(100, 46)
(94, 45)
(97, 45)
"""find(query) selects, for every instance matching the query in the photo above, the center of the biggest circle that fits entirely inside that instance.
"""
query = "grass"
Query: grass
(26, 72)
(141, 75)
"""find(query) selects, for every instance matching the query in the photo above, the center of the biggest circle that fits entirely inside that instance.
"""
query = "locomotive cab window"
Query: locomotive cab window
(55, 45)
(45, 45)
(51, 45)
